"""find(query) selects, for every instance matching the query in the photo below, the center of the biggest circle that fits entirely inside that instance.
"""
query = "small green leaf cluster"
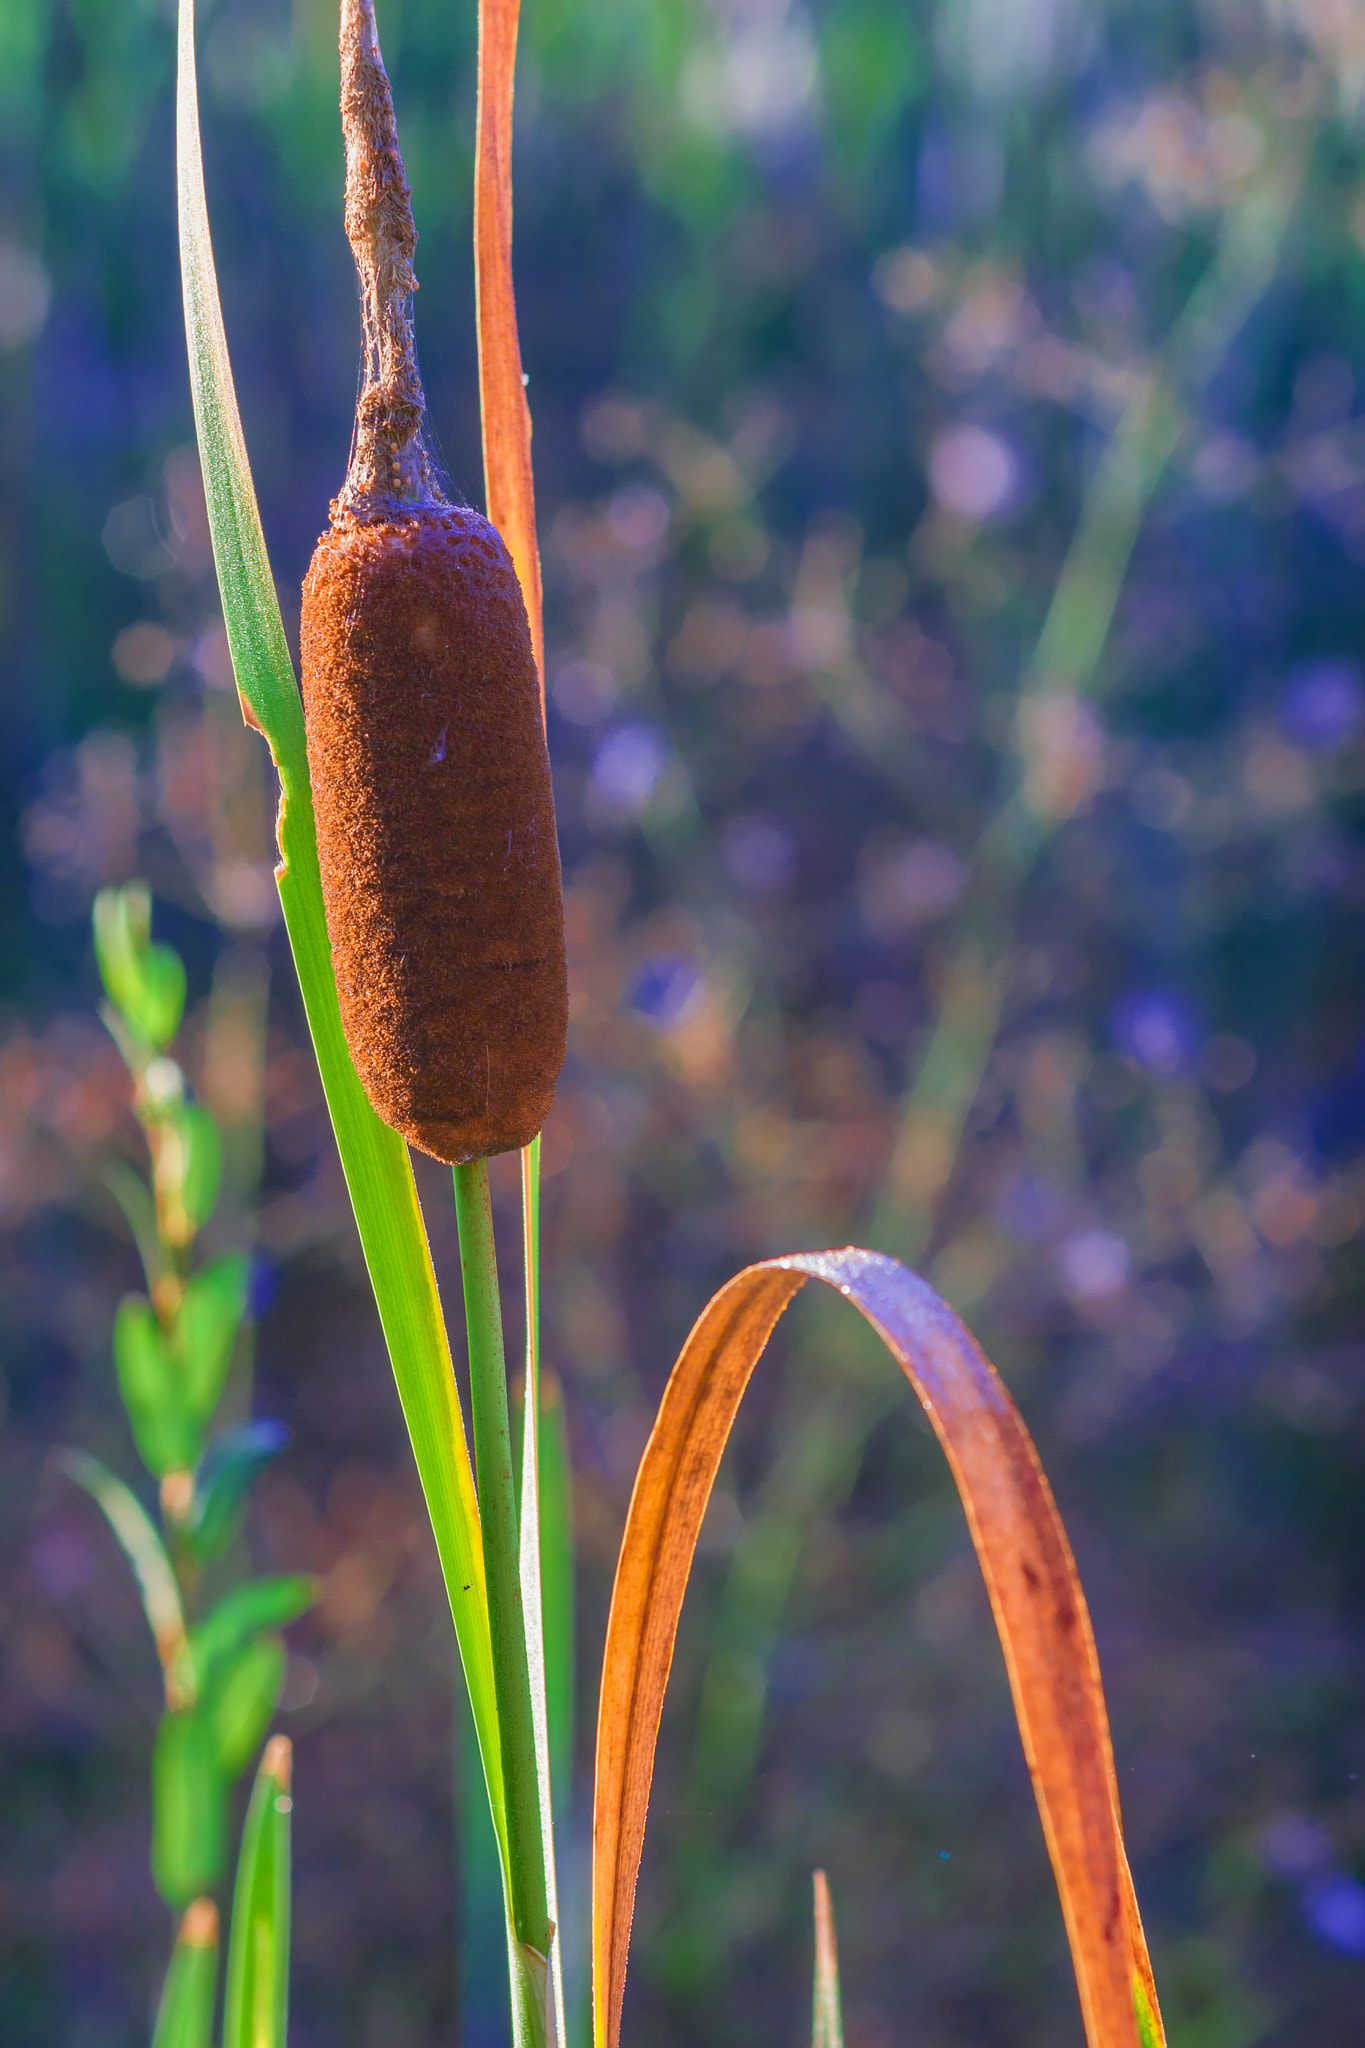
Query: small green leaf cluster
(171, 1372)
(224, 1685)
(173, 1350)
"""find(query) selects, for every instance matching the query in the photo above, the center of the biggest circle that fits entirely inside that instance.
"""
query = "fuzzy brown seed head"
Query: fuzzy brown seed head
(436, 833)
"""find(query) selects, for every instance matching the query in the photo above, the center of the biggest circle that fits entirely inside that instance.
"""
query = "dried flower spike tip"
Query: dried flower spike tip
(431, 780)
(389, 463)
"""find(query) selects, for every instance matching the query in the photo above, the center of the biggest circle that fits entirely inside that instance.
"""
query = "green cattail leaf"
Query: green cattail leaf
(515, 1626)
(185, 2016)
(206, 1327)
(557, 1626)
(245, 1694)
(375, 1160)
(557, 1577)
(189, 1799)
(530, 1562)
(546, 1563)
(482, 1962)
(145, 982)
(256, 2011)
(164, 1428)
(241, 1615)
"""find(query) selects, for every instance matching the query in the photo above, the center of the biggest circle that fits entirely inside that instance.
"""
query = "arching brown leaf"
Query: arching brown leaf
(1030, 1575)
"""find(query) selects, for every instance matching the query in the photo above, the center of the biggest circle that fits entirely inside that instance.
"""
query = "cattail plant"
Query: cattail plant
(426, 746)
(223, 1663)
(410, 627)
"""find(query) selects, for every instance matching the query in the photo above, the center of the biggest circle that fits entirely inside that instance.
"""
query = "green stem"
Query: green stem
(532, 1543)
(501, 1551)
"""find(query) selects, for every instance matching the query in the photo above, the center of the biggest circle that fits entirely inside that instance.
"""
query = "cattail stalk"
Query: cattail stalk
(439, 867)
(505, 420)
(498, 1515)
(436, 839)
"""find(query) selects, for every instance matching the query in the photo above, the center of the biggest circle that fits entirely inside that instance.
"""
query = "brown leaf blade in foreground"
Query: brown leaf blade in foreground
(1026, 1561)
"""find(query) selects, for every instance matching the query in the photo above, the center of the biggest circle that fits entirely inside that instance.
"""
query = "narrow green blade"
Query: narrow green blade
(827, 2023)
(185, 2016)
(189, 1809)
(256, 2014)
(482, 1906)
(530, 1922)
(557, 1579)
(532, 1601)
(134, 1198)
(378, 1170)
(142, 1547)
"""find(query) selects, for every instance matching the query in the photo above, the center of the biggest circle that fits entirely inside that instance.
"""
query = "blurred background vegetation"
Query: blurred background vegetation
(950, 442)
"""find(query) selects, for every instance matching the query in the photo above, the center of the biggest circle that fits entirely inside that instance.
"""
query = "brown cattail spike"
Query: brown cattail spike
(389, 461)
(431, 781)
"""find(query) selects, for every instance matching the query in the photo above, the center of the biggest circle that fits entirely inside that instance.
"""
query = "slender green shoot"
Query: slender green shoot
(134, 1198)
(185, 2015)
(256, 2011)
(557, 1576)
(142, 1547)
(525, 1866)
(532, 1597)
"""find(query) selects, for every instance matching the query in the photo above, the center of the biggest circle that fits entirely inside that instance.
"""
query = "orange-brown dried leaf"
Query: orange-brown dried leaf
(827, 2026)
(1030, 1574)
(506, 417)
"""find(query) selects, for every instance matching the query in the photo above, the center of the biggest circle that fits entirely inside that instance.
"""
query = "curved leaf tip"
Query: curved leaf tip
(1035, 1594)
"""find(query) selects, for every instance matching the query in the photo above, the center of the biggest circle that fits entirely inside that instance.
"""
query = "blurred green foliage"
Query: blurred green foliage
(224, 1672)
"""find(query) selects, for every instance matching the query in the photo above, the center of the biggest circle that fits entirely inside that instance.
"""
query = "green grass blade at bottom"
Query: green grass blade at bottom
(557, 1580)
(185, 2015)
(256, 2011)
(374, 1158)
